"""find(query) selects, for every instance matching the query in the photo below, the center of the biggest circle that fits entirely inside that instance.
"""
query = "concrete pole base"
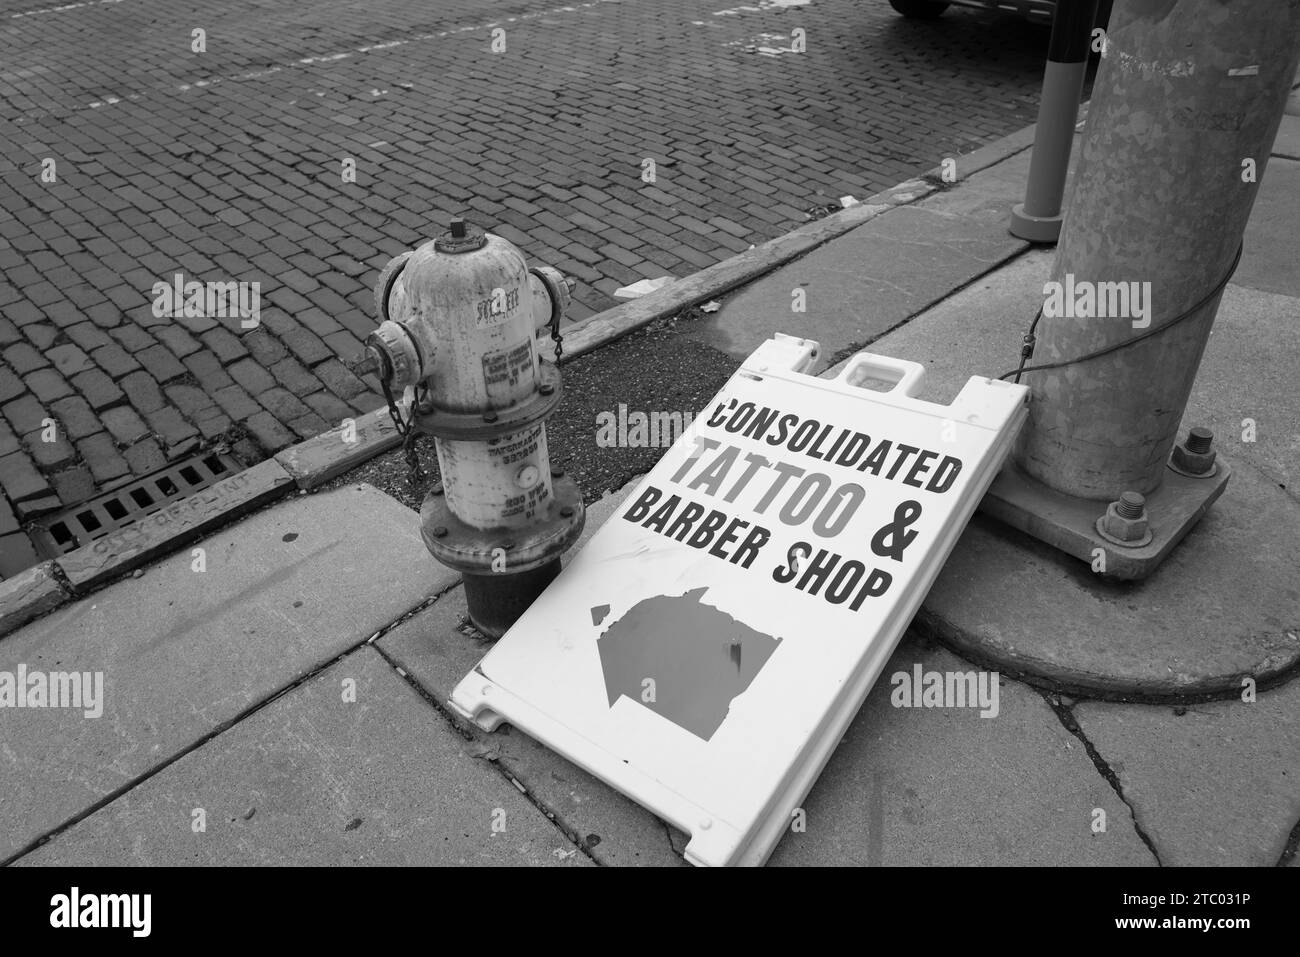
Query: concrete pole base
(1035, 229)
(1068, 523)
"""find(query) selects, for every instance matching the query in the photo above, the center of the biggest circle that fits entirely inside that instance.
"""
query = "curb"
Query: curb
(330, 454)
(28, 595)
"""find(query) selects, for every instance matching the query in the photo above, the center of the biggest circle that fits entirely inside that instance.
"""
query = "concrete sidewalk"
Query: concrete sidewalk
(288, 702)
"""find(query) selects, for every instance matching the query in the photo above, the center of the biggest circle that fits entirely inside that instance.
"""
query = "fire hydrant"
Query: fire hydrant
(459, 321)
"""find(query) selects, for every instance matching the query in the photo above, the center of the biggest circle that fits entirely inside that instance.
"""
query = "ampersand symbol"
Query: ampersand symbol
(891, 540)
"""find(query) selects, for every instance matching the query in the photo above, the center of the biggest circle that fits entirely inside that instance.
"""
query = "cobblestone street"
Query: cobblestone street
(128, 158)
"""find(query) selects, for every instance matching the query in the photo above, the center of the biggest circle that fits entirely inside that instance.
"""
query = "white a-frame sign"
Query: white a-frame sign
(706, 650)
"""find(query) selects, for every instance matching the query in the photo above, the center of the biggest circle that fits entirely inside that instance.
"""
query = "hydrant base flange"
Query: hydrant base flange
(473, 427)
(502, 552)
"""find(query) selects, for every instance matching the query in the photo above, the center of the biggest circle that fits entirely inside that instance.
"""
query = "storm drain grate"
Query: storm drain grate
(58, 534)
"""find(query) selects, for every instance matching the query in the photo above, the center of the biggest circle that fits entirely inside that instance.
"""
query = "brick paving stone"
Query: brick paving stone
(48, 385)
(42, 336)
(10, 385)
(345, 345)
(263, 347)
(251, 376)
(101, 456)
(16, 554)
(20, 479)
(69, 359)
(33, 508)
(282, 404)
(25, 414)
(88, 337)
(133, 339)
(24, 359)
(144, 457)
(160, 363)
(189, 400)
(49, 455)
(237, 403)
(170, 427)
(333, 410)
(178, 342)
(226, 346)
(74, 485)
(77, 417)
(207, 369)
(125, 425)
(267, 431)
(213, 423)
(142, 391)
(309, 425)
(8, 520)
(97, 388)
(307, 346)
(105, 315)
(368, 402)
(339, 380)
(294, 377)
(318, 321)
(114, 360)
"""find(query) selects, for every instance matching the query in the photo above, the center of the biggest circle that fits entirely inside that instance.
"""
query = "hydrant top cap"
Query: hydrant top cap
(462, 237)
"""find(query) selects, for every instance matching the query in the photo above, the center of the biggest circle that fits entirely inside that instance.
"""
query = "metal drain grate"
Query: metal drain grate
(58, 534)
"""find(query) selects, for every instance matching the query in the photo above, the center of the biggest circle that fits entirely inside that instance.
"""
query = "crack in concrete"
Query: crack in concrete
(501, 763)
(220, 729)
(1065, 715)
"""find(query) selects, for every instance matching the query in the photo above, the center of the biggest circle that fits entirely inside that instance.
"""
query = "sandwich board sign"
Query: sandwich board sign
(706, 650)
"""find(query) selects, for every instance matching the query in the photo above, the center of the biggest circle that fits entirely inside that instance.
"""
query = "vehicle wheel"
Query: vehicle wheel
(919, 9)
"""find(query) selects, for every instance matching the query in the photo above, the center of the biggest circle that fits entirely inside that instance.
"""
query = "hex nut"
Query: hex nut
(1125, 522)
(1192, 463)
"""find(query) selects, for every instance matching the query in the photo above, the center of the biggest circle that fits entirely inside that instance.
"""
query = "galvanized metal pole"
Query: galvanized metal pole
(1184, 111)
(1038, 218)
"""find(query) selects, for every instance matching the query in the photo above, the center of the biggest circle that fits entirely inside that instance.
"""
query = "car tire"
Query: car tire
(919, 9)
